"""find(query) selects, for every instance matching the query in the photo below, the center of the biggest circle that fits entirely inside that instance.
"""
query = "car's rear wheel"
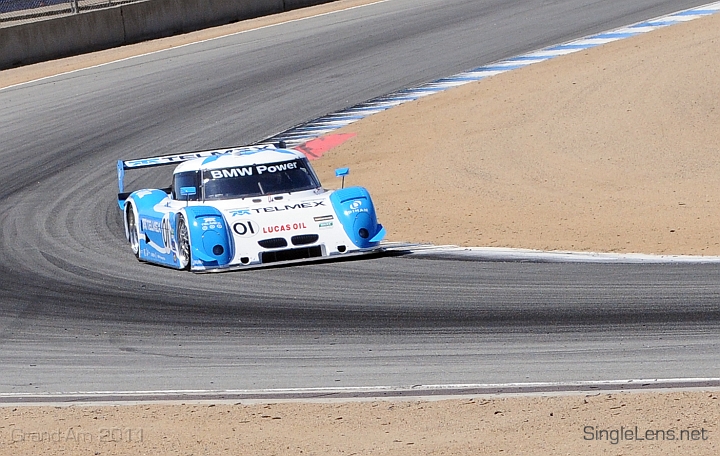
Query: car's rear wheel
(132, 230)
(183, 243)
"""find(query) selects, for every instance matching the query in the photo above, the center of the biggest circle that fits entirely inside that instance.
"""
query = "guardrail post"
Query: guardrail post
(74, 8)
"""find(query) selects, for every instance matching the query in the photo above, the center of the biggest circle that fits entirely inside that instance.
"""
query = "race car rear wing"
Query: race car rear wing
(164, 160)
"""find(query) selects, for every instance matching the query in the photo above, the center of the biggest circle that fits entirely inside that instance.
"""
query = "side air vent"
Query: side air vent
(304, 239)
(274, 243)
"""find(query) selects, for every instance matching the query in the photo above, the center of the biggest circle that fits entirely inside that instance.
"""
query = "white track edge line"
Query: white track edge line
(519, 254)
(426, 392)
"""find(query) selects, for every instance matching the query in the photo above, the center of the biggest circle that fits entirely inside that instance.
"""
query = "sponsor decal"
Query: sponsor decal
(143, 162)
(290, 207)
(171, 159)
(150, 225)
(231, 172)
(325, 225)
(275, 168)
(286, 227)
(246, 228)
(250, 170)
(356, 208)
(166, 231)
(154, 255)
(139, 163)
(211, 223)
(239, 212)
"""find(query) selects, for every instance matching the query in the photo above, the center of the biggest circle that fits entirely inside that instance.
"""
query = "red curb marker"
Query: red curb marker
(315, 148)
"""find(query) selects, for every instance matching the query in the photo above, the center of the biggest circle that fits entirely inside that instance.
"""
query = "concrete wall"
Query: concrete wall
(102, 29)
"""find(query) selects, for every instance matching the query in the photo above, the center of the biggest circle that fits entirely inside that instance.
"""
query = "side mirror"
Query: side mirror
(187, 192)
(342, 172)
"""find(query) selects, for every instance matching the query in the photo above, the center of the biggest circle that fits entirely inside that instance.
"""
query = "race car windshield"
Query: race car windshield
(256, 180)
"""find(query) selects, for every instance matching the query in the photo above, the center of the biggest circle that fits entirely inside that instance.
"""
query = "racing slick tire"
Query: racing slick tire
(132, 230)
(183, 243)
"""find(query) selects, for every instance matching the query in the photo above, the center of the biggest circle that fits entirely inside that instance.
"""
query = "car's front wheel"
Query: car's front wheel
(132, 230)
(183, 243)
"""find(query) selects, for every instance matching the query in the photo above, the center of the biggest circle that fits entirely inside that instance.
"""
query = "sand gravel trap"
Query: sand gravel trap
(572, 425)
(612, 149)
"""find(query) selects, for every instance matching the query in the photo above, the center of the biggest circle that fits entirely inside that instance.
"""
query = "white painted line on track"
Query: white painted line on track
(543, 256)
(361, 394)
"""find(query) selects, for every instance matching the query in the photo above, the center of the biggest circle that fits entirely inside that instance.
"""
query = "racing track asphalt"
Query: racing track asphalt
(78, 313)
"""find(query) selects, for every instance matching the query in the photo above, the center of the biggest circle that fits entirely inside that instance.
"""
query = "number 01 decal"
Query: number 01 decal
(245, 228)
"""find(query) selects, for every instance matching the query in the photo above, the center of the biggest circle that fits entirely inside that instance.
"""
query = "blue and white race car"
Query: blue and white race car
(244, 207)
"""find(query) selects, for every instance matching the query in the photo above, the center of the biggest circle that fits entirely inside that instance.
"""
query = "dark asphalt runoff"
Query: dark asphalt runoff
(78, 313)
